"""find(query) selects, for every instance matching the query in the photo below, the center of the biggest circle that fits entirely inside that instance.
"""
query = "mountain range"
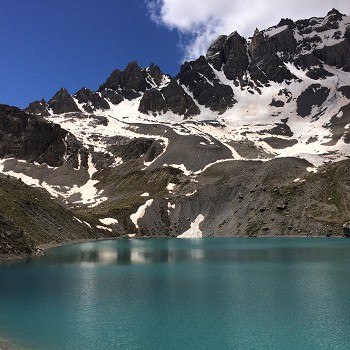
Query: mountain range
(251, 139)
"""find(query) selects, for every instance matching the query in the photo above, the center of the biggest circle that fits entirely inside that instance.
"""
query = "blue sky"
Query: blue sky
(49, 44)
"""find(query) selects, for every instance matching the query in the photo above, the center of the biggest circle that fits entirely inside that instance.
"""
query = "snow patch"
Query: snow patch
(170, 187)
(194, 231)
(190, 194)
(140, 212)
(108, 221)
(104, 228)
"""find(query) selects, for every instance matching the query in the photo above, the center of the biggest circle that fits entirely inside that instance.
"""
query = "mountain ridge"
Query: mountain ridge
(242, 141)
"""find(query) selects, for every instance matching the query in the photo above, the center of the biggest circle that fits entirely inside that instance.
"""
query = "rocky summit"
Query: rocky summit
(250, 139)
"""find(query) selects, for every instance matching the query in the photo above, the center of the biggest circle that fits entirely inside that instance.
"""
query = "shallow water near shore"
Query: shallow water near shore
(211, 293)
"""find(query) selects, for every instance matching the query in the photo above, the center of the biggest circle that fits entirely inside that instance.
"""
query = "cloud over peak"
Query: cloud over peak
(200, 22)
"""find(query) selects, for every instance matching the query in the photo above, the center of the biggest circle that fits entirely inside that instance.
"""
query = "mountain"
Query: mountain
(250, 139)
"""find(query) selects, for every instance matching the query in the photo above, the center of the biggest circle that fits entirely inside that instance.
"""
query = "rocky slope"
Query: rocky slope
(252, 139)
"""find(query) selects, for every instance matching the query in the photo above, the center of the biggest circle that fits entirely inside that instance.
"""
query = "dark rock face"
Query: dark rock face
(314, 95)
(318, 73)
(278, 143)
(62, 102)
(215, 52)
(277, 103)
(197, 76)
(335, 55)
(112, 96)
(91, 100)
(172, 97)
(266, 65)
(338, 124)
(178, 100)
(345, 90)
(283, 41)
(270, 68)
(156, 74)
(229, 53)
(306, 61)
(132, 78)
(38, 108)
(153, 101)
(29, 137)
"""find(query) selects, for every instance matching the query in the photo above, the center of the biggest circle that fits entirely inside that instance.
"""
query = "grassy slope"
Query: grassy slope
(29, 217)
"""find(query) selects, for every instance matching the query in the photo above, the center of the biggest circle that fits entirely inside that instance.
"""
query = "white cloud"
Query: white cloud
(199, 22)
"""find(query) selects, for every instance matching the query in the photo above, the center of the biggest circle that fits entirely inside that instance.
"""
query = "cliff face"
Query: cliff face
(253, 136)
(32, 138)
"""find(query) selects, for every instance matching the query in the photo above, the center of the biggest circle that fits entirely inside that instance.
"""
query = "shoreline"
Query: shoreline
(43, 247)
(6, 346)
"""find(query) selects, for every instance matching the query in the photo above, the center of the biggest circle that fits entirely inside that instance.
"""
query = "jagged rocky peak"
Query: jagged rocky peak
(156, 75)
(91, 100)
(199, 78)
(38, 108)
(230, 54)
(133, 80)
(63, 102)
(172, 97)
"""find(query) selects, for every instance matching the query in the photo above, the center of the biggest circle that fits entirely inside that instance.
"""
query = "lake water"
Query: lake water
(234, 293)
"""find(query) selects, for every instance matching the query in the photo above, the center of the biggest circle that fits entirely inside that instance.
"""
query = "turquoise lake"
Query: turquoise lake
(210, 293)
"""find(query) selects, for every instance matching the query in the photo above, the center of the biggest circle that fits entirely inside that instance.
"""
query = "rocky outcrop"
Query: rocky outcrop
(155, 74)
(32, 138)
(317, 73)
(284, 41)
(38, 108)
(346, 229)
(336, 55)
(178, 101)
(128, 149)
(266, 64)
(314, 95)
(91, 100)
(229, 53)
(63, 102)
(305, 61)
(206, 88)
(112, 96)
(153, 101)
(170, 98)
(133, 79)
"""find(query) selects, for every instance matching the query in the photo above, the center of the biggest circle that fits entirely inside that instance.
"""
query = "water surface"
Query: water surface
(234, 293)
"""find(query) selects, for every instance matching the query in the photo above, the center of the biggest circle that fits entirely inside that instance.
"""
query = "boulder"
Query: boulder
(346, 229)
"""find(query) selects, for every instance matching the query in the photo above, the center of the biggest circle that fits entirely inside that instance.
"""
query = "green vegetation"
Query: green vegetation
(29, 217)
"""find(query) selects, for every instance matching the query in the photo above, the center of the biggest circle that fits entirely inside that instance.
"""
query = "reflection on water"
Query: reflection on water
(122, 252)
(143, 251)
